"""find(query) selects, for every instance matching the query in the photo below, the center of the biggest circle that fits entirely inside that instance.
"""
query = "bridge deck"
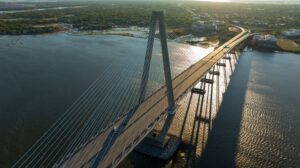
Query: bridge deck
(149, 113)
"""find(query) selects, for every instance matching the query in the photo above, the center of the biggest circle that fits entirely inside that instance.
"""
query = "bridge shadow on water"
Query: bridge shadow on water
(209, 127)
(213, 138)
(220, 138)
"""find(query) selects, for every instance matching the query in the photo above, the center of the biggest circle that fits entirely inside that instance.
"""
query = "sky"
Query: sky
(245, 1)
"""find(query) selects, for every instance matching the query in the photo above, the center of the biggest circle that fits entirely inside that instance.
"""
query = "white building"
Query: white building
(202, 27)
(292, 33)
(265, 41)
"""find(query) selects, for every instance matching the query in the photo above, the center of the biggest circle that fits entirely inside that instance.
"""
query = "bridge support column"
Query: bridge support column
(168, 78)
(162, 146)
(155, 147)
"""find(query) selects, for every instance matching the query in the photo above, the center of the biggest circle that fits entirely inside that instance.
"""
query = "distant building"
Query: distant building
(265, 41)
(220, 24)
(201, 27)
(261, 23)
(195, 18)
(292, 33)
(236, 22)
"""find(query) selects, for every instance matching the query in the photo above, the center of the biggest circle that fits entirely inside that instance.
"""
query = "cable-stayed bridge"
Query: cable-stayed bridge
(93, 134)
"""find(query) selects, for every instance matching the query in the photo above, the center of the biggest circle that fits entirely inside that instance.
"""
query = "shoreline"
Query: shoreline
(134, 32)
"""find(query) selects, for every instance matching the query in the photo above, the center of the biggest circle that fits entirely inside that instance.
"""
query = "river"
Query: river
(257, 124)
(42, 75)
(39, 9)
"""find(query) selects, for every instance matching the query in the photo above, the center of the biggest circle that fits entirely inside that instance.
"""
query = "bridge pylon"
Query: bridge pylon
(160, 145)
(157, 144)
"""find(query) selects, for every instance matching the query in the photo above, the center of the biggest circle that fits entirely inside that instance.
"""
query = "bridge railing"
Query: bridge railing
(151, 111)
(57, 147)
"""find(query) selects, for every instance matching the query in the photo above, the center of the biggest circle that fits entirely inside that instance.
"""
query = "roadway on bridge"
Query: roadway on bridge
(149, 113)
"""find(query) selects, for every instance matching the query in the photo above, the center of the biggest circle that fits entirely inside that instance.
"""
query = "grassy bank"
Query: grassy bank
(288, 45)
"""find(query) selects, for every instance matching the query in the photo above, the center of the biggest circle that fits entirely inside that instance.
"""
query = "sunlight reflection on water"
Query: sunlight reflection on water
(258, 123)
(40, 76)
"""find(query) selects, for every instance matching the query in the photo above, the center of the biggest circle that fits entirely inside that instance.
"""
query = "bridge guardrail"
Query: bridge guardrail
(187, 76)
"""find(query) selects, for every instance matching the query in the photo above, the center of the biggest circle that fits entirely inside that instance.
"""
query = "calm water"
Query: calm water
(40, 9)
(257, 125)
(41, 76)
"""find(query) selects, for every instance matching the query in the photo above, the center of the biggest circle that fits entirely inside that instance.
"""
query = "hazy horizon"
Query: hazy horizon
(236, 1)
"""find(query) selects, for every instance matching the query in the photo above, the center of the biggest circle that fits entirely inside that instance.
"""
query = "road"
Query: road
(150, 112)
